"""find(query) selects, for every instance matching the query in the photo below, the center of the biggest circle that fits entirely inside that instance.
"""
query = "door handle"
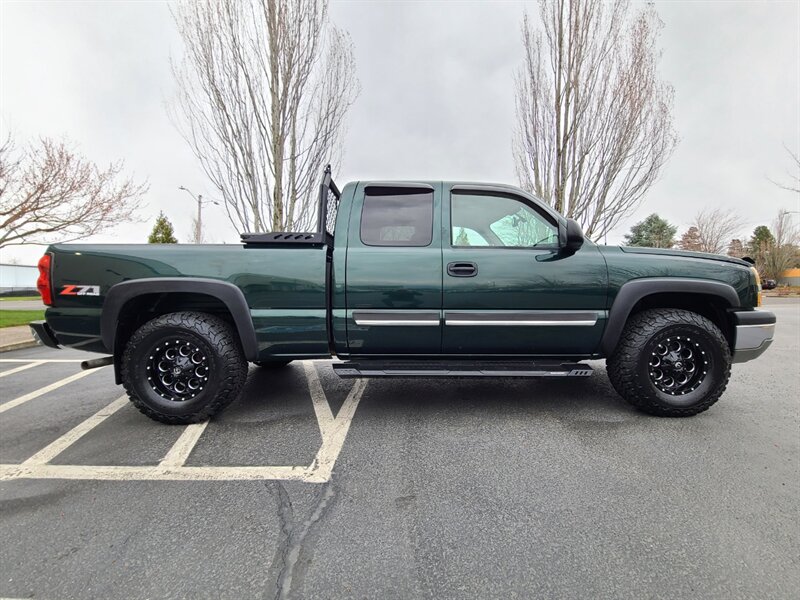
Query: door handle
(462, 269)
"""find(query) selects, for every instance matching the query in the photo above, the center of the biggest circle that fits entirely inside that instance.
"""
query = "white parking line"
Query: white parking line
(177, 455)
(333, 438)
(172, 467)
(321, 407)
(48, 388)
(44, 360)
(128, 473)
(21, 368)
(48, 453)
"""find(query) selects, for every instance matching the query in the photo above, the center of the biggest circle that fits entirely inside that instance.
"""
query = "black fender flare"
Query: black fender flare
(227, 293)
(631, 292)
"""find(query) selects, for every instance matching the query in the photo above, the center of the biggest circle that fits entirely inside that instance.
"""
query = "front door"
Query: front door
(394, 270)
(507, 288)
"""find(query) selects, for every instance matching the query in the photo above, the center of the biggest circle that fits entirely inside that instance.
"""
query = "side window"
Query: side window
(464, 236)
(393, 218)
(498, 221)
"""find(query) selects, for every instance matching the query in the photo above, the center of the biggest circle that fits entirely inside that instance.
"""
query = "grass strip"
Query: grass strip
(13, 318)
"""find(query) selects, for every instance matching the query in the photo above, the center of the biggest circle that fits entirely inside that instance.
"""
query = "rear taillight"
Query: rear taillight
(43, 283)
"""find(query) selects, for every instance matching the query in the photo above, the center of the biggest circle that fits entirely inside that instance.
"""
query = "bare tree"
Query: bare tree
(736, 248)
(197, 235)
(794, 186)
(714, 228)
(48, 192)
(785, 230)
(264, 89)
(782, 253)
(594, 122)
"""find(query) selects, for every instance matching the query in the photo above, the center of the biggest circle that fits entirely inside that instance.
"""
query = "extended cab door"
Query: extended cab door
(394, 270)
(507, 288)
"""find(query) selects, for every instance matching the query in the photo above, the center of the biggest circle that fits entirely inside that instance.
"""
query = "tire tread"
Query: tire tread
(220, 336)
(622, 365)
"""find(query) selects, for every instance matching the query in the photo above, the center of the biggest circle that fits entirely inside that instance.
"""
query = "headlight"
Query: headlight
(758, 284)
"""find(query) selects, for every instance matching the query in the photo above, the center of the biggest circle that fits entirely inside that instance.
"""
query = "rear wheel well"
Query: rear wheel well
(714, 308)
(143, 308)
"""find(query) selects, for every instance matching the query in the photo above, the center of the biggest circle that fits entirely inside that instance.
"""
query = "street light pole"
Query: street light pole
(198, 230)
(198, 233)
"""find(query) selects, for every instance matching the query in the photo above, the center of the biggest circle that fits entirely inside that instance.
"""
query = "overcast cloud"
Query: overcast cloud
(436, 103)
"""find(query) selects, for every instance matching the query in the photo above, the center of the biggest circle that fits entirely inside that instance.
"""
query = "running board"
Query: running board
(431, 368)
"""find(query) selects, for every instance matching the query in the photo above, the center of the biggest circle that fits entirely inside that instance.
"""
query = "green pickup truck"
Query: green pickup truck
(406, 279)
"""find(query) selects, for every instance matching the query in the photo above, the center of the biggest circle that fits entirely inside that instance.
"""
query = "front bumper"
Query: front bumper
(43, 334)
(754, 333)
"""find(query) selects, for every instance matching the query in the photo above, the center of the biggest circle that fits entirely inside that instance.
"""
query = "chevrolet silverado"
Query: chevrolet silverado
(406, 279)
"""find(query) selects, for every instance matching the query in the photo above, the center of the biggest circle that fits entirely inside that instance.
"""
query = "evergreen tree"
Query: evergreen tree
(653, 232)
(761, 240)
(163, 232)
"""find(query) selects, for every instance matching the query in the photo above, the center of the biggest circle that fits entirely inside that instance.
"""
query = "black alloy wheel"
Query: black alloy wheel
(670, 362)
(177, 369)
(183, 367)
(678, 365)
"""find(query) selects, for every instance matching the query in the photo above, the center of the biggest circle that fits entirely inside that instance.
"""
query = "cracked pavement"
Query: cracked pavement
(443, 489)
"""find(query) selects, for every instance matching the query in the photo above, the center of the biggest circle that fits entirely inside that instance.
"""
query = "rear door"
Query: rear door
(394, 270)
(507, 288)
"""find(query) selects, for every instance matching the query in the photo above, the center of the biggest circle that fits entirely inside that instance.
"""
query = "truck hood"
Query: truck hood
(685, 254)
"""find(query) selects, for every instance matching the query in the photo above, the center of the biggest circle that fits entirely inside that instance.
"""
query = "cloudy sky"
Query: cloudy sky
(437, 99)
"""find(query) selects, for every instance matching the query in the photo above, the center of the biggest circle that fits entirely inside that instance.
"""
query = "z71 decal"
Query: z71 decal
(80, 290)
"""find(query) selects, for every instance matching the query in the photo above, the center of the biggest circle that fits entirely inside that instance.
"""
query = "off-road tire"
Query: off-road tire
(226, 366)
(271, 364)
(629, 367)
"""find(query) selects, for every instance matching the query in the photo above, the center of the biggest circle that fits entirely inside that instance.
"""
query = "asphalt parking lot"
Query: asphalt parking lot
(315, 487)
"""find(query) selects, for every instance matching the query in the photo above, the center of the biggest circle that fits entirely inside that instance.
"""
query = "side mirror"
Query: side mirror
(572, 239)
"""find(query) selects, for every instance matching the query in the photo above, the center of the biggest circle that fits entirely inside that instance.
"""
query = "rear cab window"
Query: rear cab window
(397, 217)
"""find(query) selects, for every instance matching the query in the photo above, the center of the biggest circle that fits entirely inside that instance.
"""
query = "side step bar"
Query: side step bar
(426, 368)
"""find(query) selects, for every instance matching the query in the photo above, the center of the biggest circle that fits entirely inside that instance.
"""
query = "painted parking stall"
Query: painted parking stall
(44, 463)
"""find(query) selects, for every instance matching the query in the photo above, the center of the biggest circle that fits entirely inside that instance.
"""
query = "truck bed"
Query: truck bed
(284, 287)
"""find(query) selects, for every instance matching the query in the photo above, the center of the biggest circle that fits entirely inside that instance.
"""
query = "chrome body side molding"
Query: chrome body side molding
(397, 318)
(528, 318)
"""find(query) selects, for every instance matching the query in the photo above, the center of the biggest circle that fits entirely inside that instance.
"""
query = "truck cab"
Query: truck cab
(465, 270)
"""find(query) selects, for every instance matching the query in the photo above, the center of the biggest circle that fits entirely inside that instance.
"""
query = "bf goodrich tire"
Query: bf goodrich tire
(670, 363)
(183, 367)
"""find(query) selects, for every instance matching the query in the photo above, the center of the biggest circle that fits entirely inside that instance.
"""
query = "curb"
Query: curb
(16, 338)
(18, 346)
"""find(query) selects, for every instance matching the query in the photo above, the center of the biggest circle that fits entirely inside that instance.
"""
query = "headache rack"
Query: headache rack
(329, 196)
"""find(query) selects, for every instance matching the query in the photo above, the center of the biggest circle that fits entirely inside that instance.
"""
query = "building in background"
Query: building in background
(790, 277)
(18, 280)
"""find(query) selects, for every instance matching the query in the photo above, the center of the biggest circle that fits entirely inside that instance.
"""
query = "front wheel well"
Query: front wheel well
(714, 308)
